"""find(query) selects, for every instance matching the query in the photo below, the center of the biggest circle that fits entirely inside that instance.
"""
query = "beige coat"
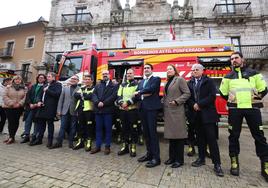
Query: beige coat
(174, 115)
(12, 96)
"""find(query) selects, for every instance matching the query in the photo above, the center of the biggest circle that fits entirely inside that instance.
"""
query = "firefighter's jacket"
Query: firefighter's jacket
(84, 96)
(125, 93)
(243, 88)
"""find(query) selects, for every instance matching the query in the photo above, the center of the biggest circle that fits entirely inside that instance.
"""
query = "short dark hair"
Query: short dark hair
(237, 53)
(89, 76)
(150, 65)
(6, 80)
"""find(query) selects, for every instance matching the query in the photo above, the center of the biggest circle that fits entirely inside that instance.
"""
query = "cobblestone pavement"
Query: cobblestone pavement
(25, 166)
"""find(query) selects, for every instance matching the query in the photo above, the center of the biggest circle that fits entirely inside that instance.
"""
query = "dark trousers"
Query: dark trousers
(149, 124)
(254, 121)
(103, 121)
(67, 121)
(176, 150)
(3, 119)
(85, 128)
(13, 118)
(41, 127)
(191, 134)
(206, 134)
(129, 126)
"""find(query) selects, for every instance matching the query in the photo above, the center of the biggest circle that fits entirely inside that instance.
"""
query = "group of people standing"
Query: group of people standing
(82, 107)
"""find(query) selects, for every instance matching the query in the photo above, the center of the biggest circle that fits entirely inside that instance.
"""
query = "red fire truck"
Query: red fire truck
(212, 54)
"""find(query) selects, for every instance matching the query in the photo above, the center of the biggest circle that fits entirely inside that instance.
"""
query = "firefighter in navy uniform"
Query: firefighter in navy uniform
(128, 114)
(84, 107)
(243, 88)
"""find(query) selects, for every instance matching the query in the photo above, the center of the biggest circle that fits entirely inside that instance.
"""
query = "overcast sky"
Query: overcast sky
(13, 11)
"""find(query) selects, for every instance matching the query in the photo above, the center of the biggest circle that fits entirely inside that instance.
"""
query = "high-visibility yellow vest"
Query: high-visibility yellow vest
(87, 104)
(126, 92)
(243, 88)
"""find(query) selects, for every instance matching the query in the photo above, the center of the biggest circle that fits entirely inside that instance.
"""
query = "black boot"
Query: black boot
(264, 170)
(124, 149)
(140, 140)
(191, 151)
(79, 144)
(25, 139)
(35, 142)
(132, 150)
(88, 145)
(234, 166)
(49, 144)
(218, 171)
(56, 145)
(208, 152)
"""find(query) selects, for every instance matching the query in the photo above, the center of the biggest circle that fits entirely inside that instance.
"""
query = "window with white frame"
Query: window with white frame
(76, 45)
(229, 7)
(237, 43)
(9, 47)
(29, 43)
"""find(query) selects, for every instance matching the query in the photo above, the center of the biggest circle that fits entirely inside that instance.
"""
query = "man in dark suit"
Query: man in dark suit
(204, 116)
(148, 92)
(103, 98)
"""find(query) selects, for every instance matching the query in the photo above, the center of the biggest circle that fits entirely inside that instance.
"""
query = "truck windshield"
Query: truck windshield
(71, 66)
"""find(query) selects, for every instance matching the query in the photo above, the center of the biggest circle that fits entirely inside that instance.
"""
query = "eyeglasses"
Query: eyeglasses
(234, 58)
(195, 70)
(147, 68)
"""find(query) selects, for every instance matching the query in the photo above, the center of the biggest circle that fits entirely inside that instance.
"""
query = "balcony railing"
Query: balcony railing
(6, 53)
(253, 51)
(232, 9)
(76, 19)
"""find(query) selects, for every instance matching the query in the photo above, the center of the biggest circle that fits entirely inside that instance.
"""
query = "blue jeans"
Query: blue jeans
(28, 125)
(65, 120)
(103, 120)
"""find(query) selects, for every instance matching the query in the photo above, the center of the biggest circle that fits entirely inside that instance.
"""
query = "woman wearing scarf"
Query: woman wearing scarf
(14, 98)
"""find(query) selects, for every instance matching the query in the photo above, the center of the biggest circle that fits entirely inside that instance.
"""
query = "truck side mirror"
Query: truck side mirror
(58, 57)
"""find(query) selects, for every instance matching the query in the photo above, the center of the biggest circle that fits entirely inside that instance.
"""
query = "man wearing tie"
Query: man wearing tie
(148, 92)
(204, 116)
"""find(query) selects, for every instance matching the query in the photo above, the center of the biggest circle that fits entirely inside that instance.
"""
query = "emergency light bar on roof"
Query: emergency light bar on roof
(168, 44)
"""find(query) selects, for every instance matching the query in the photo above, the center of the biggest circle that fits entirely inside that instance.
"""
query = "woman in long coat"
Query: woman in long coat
(175, 95)
(14, 98)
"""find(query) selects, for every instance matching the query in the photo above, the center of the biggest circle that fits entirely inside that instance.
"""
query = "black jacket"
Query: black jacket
(151, 102)
(206, 96)
(52, 95)
(31, 98)
(105, 94)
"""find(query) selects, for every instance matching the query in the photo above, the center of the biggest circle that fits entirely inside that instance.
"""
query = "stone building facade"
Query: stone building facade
(72, 22)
